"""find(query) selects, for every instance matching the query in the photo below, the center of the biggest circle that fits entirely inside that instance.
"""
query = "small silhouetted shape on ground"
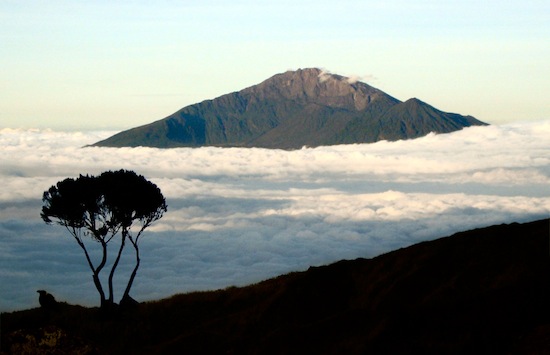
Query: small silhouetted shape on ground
(128, 302)
(46, 300)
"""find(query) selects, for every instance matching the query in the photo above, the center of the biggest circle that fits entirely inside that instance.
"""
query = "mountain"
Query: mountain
(483, 291)
(307, 107)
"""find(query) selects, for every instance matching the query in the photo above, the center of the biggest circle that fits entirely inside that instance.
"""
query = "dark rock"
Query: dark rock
(47, 300)
(128, 302)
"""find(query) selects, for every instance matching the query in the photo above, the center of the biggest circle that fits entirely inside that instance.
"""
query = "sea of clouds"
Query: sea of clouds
(238, 216)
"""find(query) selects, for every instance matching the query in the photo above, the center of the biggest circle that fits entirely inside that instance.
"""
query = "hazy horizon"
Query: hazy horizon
(240, 215)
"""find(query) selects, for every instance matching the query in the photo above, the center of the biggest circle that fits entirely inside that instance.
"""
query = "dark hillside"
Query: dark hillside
(482, 291)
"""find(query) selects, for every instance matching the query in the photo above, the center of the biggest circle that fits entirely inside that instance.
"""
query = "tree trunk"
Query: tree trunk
(115, 264)
(134, 272)
(96, 271)
(97, 281)
(97, 284)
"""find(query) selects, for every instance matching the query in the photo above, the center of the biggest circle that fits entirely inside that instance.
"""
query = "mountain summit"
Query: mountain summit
(307, 107)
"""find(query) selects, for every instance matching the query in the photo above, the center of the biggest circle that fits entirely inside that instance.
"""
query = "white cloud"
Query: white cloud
(237, 216)
(324, 75)
(369, 79)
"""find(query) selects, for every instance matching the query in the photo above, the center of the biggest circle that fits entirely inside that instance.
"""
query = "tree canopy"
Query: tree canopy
(116, 203)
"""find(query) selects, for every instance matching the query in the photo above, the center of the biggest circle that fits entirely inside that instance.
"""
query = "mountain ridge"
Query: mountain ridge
(307, 107)
(480, 291)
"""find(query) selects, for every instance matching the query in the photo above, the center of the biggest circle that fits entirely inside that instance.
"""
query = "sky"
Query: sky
(113, 65)
(237, 216)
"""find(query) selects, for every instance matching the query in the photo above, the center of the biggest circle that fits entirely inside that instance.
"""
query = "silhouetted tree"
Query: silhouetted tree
(101, 207)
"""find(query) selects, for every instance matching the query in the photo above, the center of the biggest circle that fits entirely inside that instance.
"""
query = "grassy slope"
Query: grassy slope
(482, 291)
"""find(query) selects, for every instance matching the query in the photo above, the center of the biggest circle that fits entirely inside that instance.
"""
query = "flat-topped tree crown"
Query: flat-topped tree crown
(115, 203)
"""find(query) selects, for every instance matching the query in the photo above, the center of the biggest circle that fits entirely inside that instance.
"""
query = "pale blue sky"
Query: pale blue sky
(116, 65)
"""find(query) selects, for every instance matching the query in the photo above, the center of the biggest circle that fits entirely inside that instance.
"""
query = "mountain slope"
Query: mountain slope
(293, 109)
(482, 291)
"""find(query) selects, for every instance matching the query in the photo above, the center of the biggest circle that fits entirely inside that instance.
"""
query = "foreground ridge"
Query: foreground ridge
(481, 291)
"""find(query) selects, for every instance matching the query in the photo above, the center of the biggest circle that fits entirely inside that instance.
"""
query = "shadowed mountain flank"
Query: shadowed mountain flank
(307, 107)
(483, 291)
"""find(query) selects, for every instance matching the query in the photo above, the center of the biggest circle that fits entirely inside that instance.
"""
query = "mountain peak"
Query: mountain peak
(318, 86)
(305, 107)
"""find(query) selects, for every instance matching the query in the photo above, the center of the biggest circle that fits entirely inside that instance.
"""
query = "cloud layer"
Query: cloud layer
(237, 216)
